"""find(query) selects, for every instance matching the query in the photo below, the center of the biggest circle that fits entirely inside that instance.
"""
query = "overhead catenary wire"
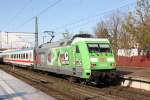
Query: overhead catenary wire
(90, 19)
(38, 14)
(87, 19)
(16, 15)
(47, 8)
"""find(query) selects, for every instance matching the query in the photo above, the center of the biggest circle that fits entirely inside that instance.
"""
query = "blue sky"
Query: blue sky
(15, 12)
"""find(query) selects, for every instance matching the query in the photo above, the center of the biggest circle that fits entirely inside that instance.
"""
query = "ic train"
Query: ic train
(84, 58)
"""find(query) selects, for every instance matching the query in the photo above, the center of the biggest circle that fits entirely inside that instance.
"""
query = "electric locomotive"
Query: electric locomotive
(89, 59)
(82, 57)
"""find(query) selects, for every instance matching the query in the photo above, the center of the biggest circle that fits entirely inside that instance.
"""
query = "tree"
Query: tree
(101, 30)
(138, 24)
(115, 29)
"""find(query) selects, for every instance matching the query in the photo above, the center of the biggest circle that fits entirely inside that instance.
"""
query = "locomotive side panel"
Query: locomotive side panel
(60, 60)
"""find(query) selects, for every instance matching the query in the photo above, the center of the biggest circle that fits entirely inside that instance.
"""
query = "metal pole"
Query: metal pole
(7, 37)
(1, 40)
(36, 41)
(11, 44)
(36, 32)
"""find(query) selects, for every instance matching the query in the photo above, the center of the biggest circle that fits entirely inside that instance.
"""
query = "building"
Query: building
(14, 40)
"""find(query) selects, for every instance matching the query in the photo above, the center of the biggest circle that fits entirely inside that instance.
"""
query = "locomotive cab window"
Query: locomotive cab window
(104, 48)
(93, 47)
(99, 47)
(77, 49)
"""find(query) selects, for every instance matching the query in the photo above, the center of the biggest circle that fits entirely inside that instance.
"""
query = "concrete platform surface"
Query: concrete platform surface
(12, 88)
(135, 72)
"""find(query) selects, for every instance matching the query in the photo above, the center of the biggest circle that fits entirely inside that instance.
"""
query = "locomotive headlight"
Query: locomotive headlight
(94, 59)
(110, 60)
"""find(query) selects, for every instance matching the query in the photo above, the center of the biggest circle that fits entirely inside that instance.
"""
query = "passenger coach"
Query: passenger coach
(22, 57)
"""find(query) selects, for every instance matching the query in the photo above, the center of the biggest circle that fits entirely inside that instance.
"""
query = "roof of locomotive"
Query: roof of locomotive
(63, 42)
(66, 42)
(76, 38)
(103, 40)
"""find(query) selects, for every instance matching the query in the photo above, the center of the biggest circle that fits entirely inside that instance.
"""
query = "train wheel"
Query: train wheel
(72, 79)
(82, 81)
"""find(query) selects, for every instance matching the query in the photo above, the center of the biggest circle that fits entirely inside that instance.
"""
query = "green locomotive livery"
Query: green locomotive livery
(84, 58)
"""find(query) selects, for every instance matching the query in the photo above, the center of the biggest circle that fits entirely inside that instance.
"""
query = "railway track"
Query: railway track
(64, 90)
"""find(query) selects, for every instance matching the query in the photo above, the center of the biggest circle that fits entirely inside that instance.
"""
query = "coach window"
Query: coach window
(26, 55)
(30, 55)
(21, 56)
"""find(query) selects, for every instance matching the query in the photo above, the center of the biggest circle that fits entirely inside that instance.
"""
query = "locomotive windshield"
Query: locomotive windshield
(99, 47)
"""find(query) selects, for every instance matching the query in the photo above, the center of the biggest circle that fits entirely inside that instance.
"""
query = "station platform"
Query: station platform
(136, 77)
(135, 72)
(12, 88)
